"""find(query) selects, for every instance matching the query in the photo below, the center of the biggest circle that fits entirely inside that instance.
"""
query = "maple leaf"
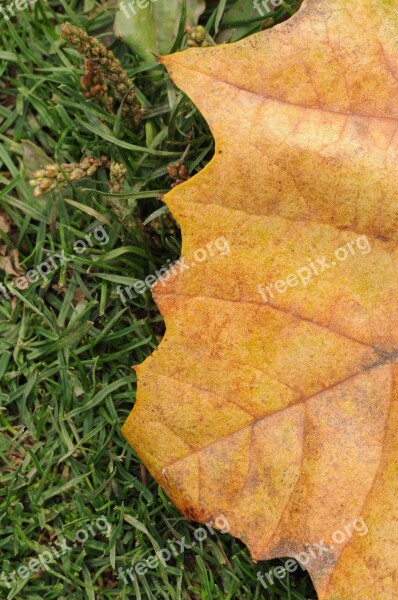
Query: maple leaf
(282, 413)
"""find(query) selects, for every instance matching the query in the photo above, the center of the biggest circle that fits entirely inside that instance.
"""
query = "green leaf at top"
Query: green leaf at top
(152, 29)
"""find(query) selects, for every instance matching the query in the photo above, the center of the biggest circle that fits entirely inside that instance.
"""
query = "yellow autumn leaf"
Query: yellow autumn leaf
(273, 397)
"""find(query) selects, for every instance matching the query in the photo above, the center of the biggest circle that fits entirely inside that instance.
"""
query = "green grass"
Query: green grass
(67, 343)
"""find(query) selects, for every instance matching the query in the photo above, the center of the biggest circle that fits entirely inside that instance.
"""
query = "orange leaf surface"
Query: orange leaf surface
(273, 397)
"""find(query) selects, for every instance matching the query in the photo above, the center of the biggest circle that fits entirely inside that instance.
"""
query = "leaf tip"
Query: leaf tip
(166, 60)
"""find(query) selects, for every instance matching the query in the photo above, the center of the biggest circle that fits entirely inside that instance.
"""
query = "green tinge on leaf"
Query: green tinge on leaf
(152, 30)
